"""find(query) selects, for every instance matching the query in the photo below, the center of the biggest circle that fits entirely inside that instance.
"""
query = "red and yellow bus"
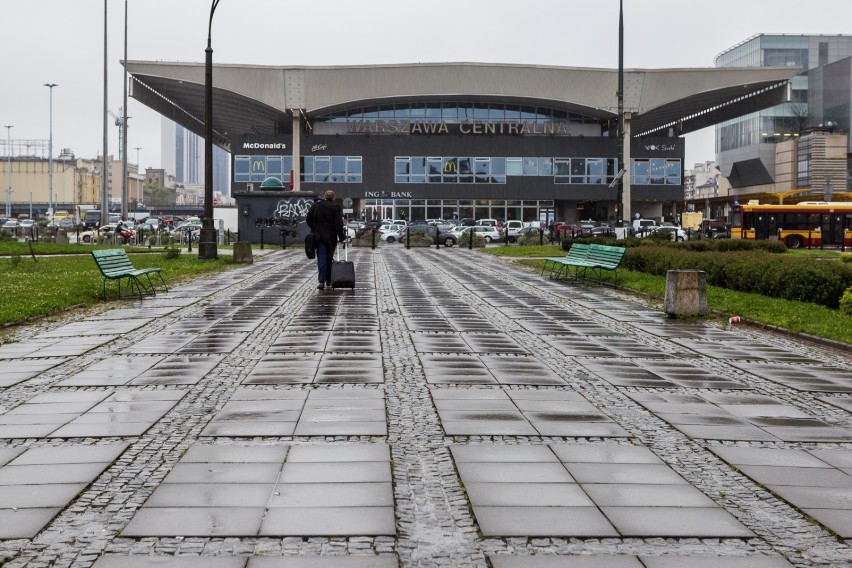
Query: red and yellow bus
(807, 224)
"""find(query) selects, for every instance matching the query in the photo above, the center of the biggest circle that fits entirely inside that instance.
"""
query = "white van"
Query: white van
(487, 222)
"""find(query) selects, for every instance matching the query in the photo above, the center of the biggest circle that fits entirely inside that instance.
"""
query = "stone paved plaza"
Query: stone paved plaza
(450, 411)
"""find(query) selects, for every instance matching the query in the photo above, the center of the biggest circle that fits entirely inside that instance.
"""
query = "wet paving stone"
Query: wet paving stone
(493, 412)
(94, 414)
(14, 371)
(806, 378)
(277, 490)
(739, 417)
(819, 482)
(39, 482)
(503, 487)
(658, 373)
(300, 413)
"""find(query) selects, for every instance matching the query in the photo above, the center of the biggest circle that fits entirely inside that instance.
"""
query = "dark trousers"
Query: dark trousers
(325, 256)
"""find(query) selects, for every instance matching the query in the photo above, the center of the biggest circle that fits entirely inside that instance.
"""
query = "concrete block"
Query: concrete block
(242, 252)
(686, 293)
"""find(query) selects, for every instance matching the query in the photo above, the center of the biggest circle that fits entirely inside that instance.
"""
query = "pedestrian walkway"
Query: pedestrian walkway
(452, 410)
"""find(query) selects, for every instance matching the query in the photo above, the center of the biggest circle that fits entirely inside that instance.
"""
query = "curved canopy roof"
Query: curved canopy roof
(254, 99)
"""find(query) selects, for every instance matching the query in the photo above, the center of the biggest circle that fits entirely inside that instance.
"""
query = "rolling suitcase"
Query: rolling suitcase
(343, 271)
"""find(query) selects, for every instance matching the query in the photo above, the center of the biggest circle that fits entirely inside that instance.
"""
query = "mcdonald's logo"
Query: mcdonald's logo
(258, 166)
(450, 167)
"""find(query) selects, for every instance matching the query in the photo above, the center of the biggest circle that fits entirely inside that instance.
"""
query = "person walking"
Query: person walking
(325, 218)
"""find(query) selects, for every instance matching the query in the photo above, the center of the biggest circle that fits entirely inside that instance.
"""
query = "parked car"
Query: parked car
(488, 223)
(26, 223)
(391, 233)
(532, 231)
(447, 238)
(603, 232)
(11, 225)
(677, 234)
(490, 234)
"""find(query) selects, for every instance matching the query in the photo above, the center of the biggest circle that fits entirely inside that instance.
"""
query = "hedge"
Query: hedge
(758, 271)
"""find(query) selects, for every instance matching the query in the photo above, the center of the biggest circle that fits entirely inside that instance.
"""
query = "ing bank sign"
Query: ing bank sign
(464, 128)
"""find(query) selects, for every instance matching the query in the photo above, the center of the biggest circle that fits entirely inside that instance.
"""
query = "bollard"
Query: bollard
(408, 239)
(437, 238)
(540, 236)
(470, 239)
(189, 240)
(261, 237)
(242, 253)
(686, 293)
(373, 239)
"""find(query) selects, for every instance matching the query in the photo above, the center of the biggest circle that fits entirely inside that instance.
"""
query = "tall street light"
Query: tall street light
(50, 151)
(619, 219)
(8, 128)
(207, 236)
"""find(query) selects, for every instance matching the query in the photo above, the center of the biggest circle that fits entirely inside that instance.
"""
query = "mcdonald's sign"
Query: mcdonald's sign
(258, 166)
(450, 167)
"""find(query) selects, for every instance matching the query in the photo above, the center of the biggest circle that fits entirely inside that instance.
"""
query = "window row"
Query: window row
(655, 171)
(319, 169)
(463, 169)
(454, 112)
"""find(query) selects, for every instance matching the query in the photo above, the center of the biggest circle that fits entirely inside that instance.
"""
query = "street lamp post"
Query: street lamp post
(619, 219)
(50, 151)
(207, 237)
(8, 170)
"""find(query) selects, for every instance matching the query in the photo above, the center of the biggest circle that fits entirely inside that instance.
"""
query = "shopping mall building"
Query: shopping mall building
(459, 140)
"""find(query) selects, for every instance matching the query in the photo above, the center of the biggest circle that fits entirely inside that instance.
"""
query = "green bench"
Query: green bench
(114, 264)
(562, 264)
(587, 258)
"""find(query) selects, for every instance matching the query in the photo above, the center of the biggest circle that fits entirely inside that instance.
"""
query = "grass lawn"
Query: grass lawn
(802, 317)
(57, 283)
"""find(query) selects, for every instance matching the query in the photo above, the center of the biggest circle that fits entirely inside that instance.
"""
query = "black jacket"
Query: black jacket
(325, 218)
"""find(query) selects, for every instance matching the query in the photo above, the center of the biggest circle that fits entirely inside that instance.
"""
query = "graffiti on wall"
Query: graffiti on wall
(289, 208)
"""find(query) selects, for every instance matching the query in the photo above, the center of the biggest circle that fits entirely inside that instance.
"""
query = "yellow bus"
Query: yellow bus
(807, 224)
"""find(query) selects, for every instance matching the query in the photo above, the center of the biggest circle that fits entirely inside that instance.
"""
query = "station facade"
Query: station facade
(455, 160)
(460, 140)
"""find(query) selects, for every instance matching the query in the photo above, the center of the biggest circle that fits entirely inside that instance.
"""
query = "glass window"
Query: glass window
(433, 169)
(322, 168)
(578, 170)
(450, 167)
(481, 169)
(242, 167)
(595, 170)
(545, 166)
(673, 172)
(530, 166)
(353, 165)
(307, 168)
(641, 172)
(338, 164)
(658, 171)
(465, 170)
(418, 165)
(274, 166)
(401, 168)
(514, 166)
(561, 170)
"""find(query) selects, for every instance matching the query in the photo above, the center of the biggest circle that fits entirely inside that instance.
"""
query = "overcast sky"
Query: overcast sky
(56, 41)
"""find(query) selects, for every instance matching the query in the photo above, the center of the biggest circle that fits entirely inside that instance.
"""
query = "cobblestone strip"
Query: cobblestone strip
(90, 525)
(780, 527)
(434, 524)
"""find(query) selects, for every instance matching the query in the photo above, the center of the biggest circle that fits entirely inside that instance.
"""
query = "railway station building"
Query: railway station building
(460, 140)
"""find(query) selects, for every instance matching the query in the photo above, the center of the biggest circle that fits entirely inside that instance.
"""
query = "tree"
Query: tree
(160, 196)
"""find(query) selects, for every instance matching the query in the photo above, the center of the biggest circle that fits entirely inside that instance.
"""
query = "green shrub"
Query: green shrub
(531, 241)
(478, 241)
(171, 252)
(15, 260)
(418, 239)
(846, 302)
(846, 258)
(757, 271)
